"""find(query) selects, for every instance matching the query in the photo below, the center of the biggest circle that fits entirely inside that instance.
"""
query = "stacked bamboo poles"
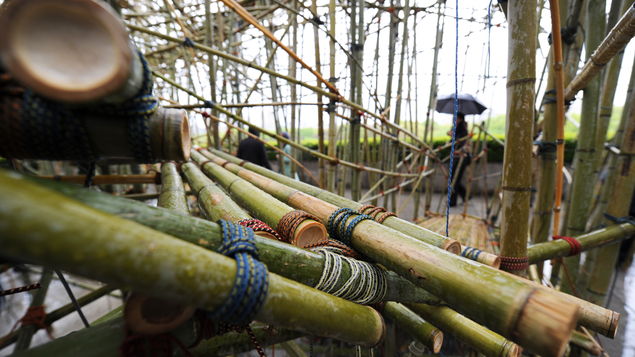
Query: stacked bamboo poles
(116, 253)
(516, 181)
(584, 160)
(102, 64)
(264, 206)
(441, 273)
(393, 222)
(543, 207)
(281, 258)
(614, 42)
(421, 330)
(620, 198)
(474, 335)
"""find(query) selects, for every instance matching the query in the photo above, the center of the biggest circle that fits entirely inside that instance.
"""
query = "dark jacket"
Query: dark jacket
(253, 150)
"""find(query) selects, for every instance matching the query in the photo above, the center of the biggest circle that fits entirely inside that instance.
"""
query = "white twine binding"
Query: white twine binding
(366, 285)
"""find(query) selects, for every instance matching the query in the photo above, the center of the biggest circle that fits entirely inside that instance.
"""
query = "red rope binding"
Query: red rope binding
(574, 244)
(259, 226)
(36, 316)
(514, 263)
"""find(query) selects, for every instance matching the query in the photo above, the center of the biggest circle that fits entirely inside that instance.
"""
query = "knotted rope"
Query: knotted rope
(514, 263)
(379, 214)
(336, 225)
(290, 222)
(471, 253)
(574, 244)
(259, 226)
(252, 278)
(366, 284)
(36, 316)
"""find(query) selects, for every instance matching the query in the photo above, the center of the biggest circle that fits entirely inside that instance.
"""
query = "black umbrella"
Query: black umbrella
(467, 104)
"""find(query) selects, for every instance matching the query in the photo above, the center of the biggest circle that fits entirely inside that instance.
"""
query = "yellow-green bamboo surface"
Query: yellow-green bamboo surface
(172, 192)
(39, 225)
(396, 223)
(414, 325)
(515, 309)
(474, 335)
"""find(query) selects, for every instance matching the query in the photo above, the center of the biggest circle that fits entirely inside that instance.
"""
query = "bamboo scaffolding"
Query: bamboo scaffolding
(424, 265)
(516, 180)
(80, 249)
(101, 66)
(474, 335)
(26, 331)
(613, 43)
(401, 225)
(421, 330)
(559, 248)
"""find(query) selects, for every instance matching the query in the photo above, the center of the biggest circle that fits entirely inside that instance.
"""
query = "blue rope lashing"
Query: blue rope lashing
(471, 253)
(620, 220)
(338, 229)
(456, 112)
(252, 278)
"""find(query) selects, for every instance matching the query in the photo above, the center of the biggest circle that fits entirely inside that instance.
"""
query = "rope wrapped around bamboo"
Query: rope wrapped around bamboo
(396, 223)
(516, 309)
(117, 253)
(379, 214)
(32, 127)
(289, 223)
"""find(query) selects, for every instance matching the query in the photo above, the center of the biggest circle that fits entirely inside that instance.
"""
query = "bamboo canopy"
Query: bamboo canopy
(100, 255)
(441, 273)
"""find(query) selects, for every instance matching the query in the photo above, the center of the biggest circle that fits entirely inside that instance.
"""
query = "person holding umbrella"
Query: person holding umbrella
(467, 104)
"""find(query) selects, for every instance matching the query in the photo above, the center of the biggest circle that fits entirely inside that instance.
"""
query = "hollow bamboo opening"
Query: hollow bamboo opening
(152, 315)
(310, 233)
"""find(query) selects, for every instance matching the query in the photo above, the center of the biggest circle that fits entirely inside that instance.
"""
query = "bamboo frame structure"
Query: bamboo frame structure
(69, 251)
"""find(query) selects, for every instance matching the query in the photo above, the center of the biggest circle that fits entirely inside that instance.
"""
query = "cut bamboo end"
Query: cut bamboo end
(150, 315)
(310, 233)
(490, 259)
(437, 341)
(170, 135)
(613, 325)
(511, 349)
(452, 245)
(556, 317)
(71, 51)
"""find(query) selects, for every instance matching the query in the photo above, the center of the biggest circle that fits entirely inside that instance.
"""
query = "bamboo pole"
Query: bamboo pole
(600, 237)
(197, 276)
(102, 64)
(281, 258)
(516, 179)
(614, 42)
(262, 205)
(474, 335)
(581, 191)
(332, 141)
(440, 273)
(620, 198)
(211, 63)
(172, 192)
(26, 332)
(586, 343)
(396, 223)
(421, 330)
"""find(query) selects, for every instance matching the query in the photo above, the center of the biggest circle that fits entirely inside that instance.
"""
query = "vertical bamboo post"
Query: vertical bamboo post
(356, 63)
(331, 107)
(211, 63)
(620, 198)
(293, 66)
(584, 158)
(520, 113)
(320, 109)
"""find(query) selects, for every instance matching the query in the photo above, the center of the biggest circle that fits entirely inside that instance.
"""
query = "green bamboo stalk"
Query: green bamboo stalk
(281, 258)
(584, 159)
(216, 204)
(441, 273)
(320, 109)
(559, 248)
(196, 276)
(262, 205)
(395, 223)
(332, 142)
(620, 198)
(517, 170)
(26, 332)
(583, 341)
(356, 63)
(172, 192)
(414, 325)
(474, 335)
(211, 63)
